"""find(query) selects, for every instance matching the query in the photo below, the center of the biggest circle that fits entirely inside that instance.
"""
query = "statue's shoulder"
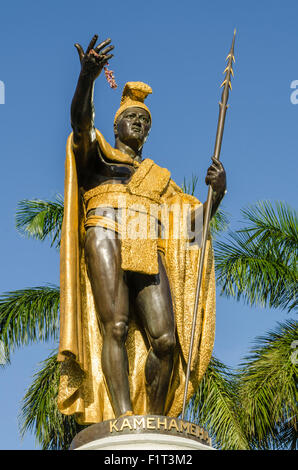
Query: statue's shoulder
(175, 187)
(149, 168)
(149, 178)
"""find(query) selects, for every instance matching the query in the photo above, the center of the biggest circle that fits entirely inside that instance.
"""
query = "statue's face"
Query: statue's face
(133, 126)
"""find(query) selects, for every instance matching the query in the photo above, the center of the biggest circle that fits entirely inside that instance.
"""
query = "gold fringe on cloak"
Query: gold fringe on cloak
(82, 389)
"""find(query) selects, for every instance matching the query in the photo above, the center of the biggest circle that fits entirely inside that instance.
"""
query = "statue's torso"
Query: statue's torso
(115, 173)
(105, 174)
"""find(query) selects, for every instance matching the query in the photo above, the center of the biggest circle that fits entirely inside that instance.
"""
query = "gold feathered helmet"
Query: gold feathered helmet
(134, 94)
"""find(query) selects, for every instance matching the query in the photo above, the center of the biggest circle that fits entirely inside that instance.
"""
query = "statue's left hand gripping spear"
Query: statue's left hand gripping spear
(223, 106)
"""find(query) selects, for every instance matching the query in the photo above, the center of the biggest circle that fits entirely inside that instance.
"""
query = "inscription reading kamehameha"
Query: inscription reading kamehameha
(162, 424)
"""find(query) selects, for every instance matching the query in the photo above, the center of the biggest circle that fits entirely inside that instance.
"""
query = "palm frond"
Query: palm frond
(40, 219)
(214, 407)
(189, 187)
(39, 411)
(261, 272)
(269, 223)
(219, 222)
(29, 315)
(287, 434)
(267, 388)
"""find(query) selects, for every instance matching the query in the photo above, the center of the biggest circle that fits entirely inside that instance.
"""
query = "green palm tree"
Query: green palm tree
(40, 413)
(31, 315)
(254, 407)
(215, 407)
(259, 263)
(267, 390)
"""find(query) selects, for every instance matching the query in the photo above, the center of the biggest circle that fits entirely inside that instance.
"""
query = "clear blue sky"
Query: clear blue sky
(179, 48)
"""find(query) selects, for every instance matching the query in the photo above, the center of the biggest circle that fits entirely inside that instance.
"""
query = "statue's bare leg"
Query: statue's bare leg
(154, 308)
(103, 259)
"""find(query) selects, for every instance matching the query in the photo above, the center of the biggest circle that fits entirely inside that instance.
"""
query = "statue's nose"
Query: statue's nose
(137, 121)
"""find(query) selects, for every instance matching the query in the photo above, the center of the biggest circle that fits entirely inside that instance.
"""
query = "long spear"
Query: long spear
(223, 106)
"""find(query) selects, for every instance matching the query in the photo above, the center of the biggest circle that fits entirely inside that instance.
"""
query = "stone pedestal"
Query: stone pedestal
(142, 433)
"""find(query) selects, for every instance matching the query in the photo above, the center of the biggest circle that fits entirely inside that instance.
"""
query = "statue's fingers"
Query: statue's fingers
(106, 50)
(217, 167)
(102, 45)
(92, 43)
(212, 170)
(212, 177)
(80, 51)
(217, 163)
(106, 58)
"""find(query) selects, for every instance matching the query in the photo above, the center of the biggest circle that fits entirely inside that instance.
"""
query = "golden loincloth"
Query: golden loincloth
(110, 224)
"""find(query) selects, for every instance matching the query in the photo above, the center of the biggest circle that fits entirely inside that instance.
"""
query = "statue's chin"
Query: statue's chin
(134, 143)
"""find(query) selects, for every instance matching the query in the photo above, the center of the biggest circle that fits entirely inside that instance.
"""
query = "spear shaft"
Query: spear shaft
(223, 106)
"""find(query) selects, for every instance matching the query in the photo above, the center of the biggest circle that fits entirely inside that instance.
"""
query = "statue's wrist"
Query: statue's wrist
(218, 195)
(86, 78)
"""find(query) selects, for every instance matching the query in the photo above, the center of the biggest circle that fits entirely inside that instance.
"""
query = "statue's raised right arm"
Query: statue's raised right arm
(82, 108)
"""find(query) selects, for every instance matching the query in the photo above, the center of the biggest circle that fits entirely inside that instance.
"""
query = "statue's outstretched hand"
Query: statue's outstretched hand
(95, 58)
(216, 177)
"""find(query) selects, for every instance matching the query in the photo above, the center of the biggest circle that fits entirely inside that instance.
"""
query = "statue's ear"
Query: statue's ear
(115, 129)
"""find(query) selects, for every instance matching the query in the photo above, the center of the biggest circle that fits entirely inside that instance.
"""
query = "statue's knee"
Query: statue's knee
(119, 331)
(164, 345)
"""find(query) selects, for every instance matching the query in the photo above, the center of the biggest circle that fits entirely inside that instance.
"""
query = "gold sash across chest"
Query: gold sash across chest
(139, 243)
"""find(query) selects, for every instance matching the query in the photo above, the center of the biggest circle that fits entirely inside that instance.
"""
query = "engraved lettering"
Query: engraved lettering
(184, 427)
(173, 424)
(193, 429)
(200, 432)
(113, 426)
(126, 424)
(161, 422)
(139, 423)
(149, 421)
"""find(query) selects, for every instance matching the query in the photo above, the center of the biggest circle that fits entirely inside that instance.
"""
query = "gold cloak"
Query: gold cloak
(82, 389)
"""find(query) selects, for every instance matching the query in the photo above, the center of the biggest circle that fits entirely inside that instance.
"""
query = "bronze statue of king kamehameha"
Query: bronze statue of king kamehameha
(126, 300)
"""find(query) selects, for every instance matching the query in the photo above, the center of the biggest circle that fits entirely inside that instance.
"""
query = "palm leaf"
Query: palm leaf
(259, 265)
(279, 223)
(29, 315)
(267, 387)
(41, 219)
(39, 411)
(219, 222)
(189, 187)
(214, 407)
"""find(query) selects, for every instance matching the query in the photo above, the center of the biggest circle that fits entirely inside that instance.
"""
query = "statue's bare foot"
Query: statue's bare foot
(127, 413)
